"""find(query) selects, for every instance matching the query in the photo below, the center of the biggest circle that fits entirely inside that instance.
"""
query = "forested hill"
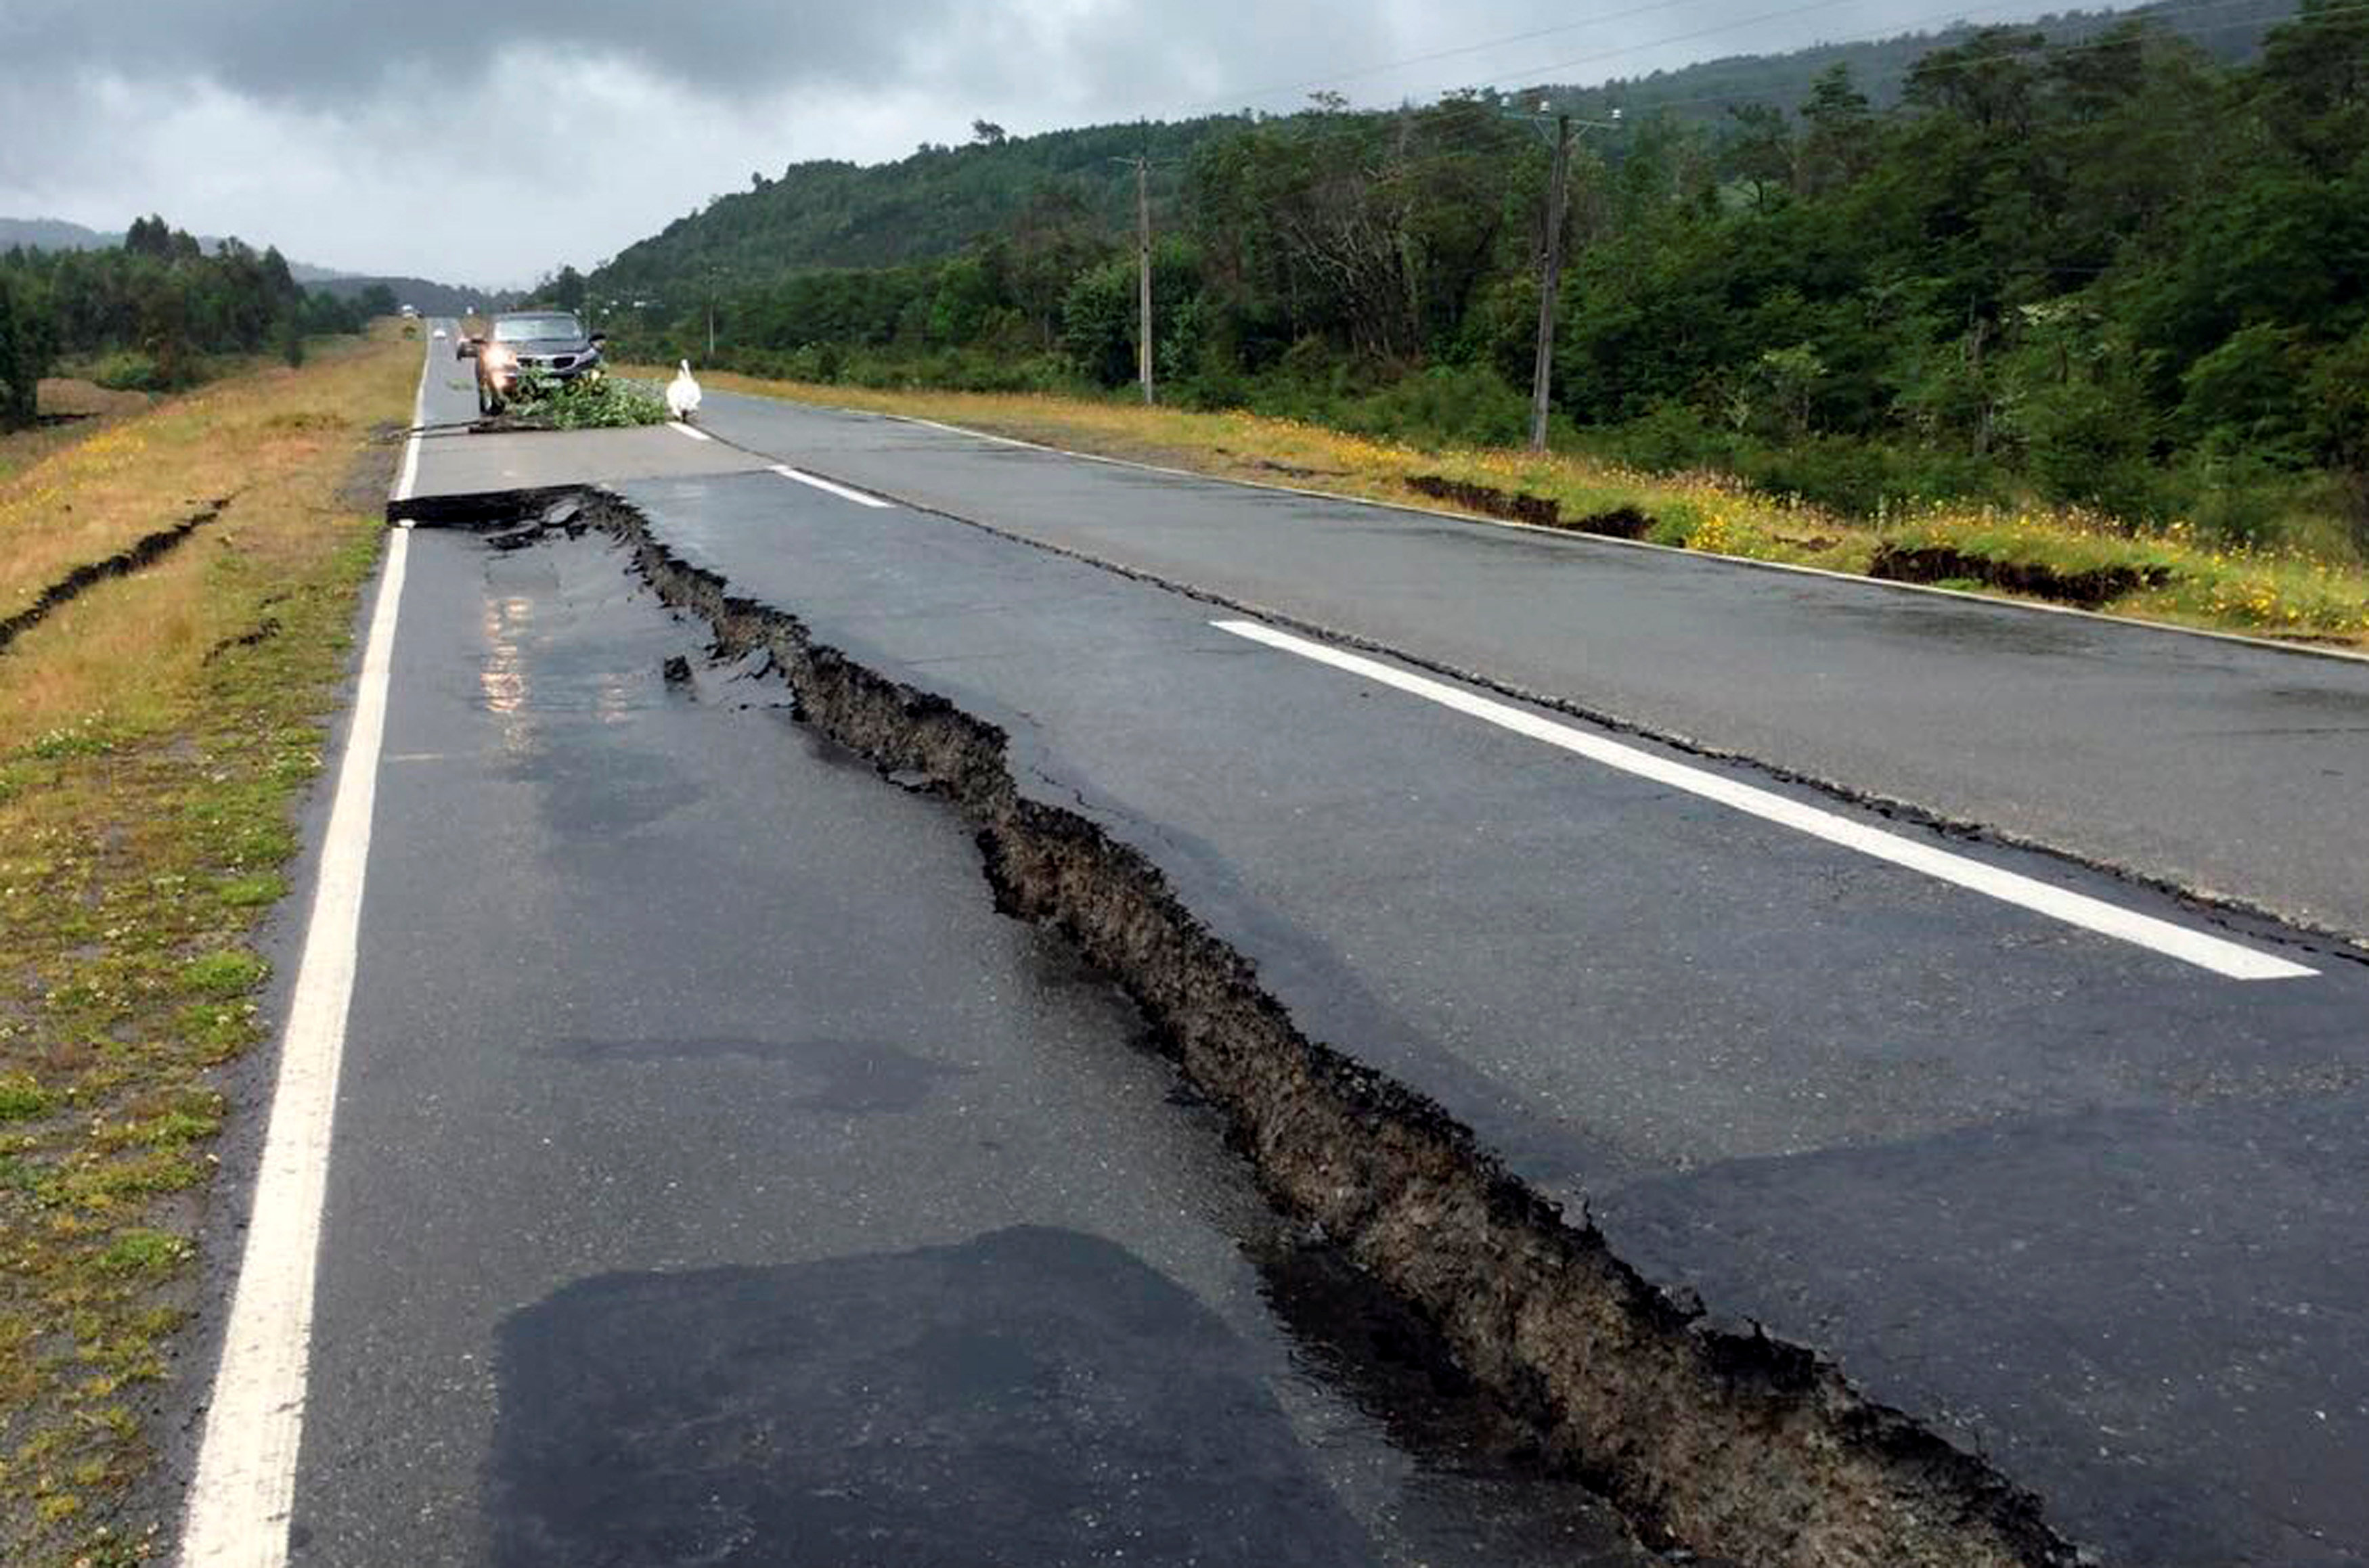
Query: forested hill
(940, 199)
(931, 204)
(2230, 30)
(56, 233)
(423, 294)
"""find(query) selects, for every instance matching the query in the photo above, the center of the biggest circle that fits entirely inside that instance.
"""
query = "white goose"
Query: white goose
(682, 395)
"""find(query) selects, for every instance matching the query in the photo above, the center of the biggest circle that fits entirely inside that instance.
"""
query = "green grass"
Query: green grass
(22, 1098)
(150, 764)
(138, 1251)
(223, 975)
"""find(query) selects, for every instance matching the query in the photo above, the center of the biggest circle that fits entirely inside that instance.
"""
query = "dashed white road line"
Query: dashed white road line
(240, 1502)
(820, 483)
(679, 428)
(2207, 952)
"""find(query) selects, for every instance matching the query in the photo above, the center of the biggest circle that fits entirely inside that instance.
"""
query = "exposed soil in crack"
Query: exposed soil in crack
(2260, 922)
(263, 631)
(141, 552)
(1519, 506)
(1710, 1437)
(2084, 589)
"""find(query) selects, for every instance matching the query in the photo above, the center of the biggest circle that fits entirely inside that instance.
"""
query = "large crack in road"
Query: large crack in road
(1710, 1436)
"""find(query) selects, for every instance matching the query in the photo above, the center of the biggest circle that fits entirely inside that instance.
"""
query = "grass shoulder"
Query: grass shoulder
(155, 734)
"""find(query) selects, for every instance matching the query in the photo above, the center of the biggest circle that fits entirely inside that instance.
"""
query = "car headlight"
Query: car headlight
(498, 358)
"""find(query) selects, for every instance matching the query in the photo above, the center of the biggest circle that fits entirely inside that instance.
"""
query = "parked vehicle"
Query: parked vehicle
(552, 343)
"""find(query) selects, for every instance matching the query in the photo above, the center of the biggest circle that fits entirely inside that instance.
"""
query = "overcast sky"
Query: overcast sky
(486, 141)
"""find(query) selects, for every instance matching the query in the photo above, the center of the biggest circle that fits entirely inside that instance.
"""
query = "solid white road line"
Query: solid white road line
(2239, 962)
(820, 483)
(409, 479)
(245, 1485)
(679, 428)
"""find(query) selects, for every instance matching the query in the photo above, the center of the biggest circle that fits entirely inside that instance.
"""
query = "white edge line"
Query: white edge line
(820, 483)
(2223, 957)
(1581, 540)
(679, 428)
(245, 1488)
(409, 478)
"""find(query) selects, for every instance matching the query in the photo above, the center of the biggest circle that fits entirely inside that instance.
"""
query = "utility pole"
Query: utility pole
(1551, 272)
(1142, 161)
(1143, 273)
(1550, 284)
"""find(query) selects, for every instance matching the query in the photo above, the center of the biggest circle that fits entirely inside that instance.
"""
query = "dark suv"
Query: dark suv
(551, 342)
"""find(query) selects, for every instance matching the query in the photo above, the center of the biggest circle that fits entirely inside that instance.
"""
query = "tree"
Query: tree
(1838, 144)
(24, 353)
(154, 311)
(988, 134)
(1792, 377)
(1053, 239)
(2314, 83)
(1990, 80)
(1760, 150)
(149, 236)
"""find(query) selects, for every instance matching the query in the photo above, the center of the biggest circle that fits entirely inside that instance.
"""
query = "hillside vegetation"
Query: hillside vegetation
(2120, 273)
(152, 314)
(940, 199)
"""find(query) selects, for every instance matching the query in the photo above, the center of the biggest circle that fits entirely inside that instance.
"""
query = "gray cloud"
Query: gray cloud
(290, 50)
(490, 141)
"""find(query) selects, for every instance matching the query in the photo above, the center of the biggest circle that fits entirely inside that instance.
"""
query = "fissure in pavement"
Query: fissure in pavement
(1711, 1436)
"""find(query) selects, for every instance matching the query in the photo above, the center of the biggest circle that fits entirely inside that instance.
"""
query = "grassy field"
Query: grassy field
(155, 734)
(2173, 575)
(73, 412)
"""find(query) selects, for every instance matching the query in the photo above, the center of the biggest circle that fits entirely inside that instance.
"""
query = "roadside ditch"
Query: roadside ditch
(1710, 1436)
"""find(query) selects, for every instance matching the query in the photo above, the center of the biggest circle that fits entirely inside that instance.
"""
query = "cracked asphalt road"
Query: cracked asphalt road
(2202, 763)
(2087, 1209)
(670, 1028)
(720, 1179)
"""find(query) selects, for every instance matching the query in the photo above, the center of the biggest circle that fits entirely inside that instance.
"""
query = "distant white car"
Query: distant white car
(437, 335)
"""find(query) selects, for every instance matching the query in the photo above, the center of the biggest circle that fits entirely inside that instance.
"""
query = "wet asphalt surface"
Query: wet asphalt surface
(2088, 1209)
(2209, 764)
(664, 1212)
(720, 1180)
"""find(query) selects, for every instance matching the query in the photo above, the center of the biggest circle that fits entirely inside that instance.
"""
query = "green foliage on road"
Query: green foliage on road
(606, 402)
(2121, 274)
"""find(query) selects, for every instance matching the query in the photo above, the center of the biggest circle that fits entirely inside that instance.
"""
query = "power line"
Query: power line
(1964, 16)
(2045, 52)
(1897, 29)
(1385, 67)
(1941, 21)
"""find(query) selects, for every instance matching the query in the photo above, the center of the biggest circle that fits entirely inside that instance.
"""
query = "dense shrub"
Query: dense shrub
(127, 369)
